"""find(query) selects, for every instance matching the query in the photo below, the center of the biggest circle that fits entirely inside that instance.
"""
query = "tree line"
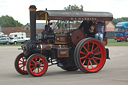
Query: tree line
(116, 20)
(8, 21)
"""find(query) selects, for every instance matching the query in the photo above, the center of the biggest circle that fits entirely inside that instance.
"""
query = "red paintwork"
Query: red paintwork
(120, 38)
(38, 60)
(94, 63)
(79, 18)
(77, 35)
(21, 64)
(63, 53)
(73, 15)
(105, 41)
(49, 46)
(62, 39)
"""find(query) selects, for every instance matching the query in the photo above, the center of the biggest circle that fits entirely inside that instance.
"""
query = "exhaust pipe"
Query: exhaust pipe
(32, 10)
(31, 46)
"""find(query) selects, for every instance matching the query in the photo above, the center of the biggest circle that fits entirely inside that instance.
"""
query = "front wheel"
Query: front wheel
(20, 64)
(127, 39)
(119, 40)
(15, 43)
(7, 43)
(37, 65)
(90, 55)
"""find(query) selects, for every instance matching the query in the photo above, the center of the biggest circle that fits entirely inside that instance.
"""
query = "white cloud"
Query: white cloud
(19, 8)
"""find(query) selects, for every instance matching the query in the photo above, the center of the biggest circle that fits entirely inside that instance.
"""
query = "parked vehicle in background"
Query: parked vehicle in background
(18, 34)
(3, 35)
(15, 40)
(18, 37)
(121, 31)
(4, 40)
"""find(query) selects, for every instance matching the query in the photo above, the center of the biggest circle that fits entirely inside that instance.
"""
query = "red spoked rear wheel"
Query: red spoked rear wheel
(37, 65)
(20, 64)
(90, 55)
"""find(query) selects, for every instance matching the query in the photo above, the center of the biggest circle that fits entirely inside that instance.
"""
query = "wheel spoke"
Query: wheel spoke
(82, 52)
(97, 53)
(38, 70)
(36, 60)
(88, 63)
(20, 63)
(94, 61)
(91, 64)
(23, 59)
(39, 60)
(95, 49)
(32, 64)
(92, 47)
(20, 60)
(84, 61)
(33, 68)
(85, 49)
(83, 57)
(33, 61)
(96, 58)
(41, 65)
(21, 66)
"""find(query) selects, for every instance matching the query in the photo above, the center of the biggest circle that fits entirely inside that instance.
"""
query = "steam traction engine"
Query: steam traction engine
(70, 51)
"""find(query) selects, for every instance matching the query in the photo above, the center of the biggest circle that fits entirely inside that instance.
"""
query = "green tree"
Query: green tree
(8, 21)
(74, 8)
(123, 19)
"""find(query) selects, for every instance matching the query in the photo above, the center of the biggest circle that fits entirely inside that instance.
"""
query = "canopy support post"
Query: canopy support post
(69, 27)
(46, 18)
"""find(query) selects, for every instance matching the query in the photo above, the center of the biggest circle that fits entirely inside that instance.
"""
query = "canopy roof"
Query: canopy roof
(73, 15)
(122, 24)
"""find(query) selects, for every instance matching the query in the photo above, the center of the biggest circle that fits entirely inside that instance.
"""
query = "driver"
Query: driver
(91, 32)
(99, 30)
(48, 28)
(85, 25)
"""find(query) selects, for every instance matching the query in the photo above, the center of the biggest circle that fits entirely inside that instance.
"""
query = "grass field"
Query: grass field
(111, 42)
(11, 45)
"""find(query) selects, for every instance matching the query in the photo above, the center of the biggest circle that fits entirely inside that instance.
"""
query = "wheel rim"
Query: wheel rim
(38, 65)
(92, 55)
(21, 64)
(7, 43)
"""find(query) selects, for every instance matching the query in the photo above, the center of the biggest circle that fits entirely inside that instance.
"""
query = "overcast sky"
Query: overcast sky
(18, 9)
